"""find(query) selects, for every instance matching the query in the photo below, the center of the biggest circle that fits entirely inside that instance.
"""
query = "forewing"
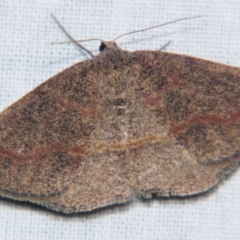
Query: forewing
(184, 133)
(52, 145)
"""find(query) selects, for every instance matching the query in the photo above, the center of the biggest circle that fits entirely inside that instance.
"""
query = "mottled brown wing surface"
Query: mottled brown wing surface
(103, 129)
(59, 145)
(186, 116)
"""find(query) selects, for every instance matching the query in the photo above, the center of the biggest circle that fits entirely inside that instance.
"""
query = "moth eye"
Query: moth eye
(102, 46)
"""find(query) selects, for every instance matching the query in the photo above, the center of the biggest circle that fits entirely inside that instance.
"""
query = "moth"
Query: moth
(146, 123)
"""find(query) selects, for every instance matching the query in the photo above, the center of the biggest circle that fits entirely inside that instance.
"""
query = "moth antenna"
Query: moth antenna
(70, 37)
(159, 25)
(124, 34)
(84, 40)
(165, 45)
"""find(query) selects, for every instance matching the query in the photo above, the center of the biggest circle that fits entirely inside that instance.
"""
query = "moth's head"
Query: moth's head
(107, 45)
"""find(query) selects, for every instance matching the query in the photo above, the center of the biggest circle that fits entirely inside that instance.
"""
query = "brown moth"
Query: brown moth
(146, 123)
